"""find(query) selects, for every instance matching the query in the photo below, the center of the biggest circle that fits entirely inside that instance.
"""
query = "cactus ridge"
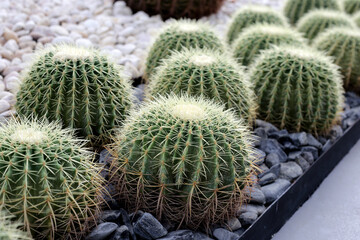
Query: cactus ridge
(297, 89)
(47, 179)
(344, 46)
(9, 230)
(177, 36)
(203, 72)
(351, 6)
(80, 87)
(260, 37)
(317, 21)
(295, 9)
(184, 159)
(251, 15)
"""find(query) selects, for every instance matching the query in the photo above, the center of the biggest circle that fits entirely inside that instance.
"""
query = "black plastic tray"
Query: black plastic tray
(286, 205)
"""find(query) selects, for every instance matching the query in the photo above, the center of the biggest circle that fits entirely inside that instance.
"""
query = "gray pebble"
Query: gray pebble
(267, 126)
(313, 150)
(305, 165)
(179, 235)
(121, 233)
(260, 157)
(247, 218)
(201, 236)
(110, 215)
(336, 132)
(272, 146)
(327, 146)
(256, 196)
(282, 134)
(312, 141)
(233, 224)
(290, 170)
(148, 227)
(258, 209)
(223, 234)
(299, 139)
(102, 231)
(267, 178)
(272, 159)
(274, 190)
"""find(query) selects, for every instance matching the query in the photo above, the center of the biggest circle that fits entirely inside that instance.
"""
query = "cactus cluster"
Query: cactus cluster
(251, 15)
(254, 39)
(176, 9)
(298, 89)
(185, 159)
(351, 6)
(205, 73)
(177, 36)
(319, 20)
(9, 230)
(295, 9)
(47, 179)
(80, 87)
(344, 46)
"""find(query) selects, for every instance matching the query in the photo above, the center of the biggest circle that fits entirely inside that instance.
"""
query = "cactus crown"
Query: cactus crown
(298, 89)
(80, 87)
(260, 37)
(295, 9)
(184, 159)
(47, 179)
(251, 15)
(206, 73)
(317, 21)
(344, 46)
(180, 35)
(351, 6)
(9, 230)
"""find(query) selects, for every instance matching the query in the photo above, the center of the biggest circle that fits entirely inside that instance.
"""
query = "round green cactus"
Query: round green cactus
(295, 9)
(251, 15)
(344, 46)
(184, 159)
(177, 36)
(298, 89)
(254, 39)
(47, 179)
(356, 18)
(80, 87)
(351, 6)
(9, 230)
(317, 21)
(208, 74)
(176, 9)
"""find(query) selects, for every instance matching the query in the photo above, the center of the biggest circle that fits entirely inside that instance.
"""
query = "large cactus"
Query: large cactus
(351, 6)
(80, 87)
(9, 230)
(177, 36)
(259, 37)
(319, 20)
(208, 74)
(47, 179)
(298, 89)
(184, 159)
(176, 9)
(295, 9)
(251, 15)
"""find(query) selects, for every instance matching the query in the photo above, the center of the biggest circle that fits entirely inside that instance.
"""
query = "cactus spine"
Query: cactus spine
(9, 230)
(297, 89)
(47, 179)
(80, 87)
(251, 15)
(260, 37)
(208, 74)
(295, 9)
(184, 159)
(177, 36)
(351, 6)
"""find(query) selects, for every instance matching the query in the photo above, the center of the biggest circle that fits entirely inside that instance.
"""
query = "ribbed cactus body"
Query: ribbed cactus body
(47, 179)
(176, 9)
(80, 87)
(351, 6)
(256, 38)
(9, 230)
(317, 21)
(177, 36)
(295, 9)
(248, 16)
(184, 159)
(344, 46)
(207, 74)
(297, 89)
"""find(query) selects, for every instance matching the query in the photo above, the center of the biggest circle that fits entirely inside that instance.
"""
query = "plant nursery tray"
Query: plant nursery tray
(286, 205)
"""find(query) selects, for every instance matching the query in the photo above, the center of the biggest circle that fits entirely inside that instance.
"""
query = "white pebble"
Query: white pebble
(2, 86)
(127, 48)
(84, 42)
(58, 30)
(62, 39)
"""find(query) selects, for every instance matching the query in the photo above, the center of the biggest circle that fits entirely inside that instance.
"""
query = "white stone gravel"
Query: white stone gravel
(26, 25)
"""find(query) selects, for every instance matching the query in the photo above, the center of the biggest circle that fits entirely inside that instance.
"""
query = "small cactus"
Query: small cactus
(295, 9)
(177, 36)
(47, 179)
(317, 21)
(80, 87)
(9, 230)
(298, 89)
(351, 6)
(176, 9)
(254, 39)
(251, 15)
(344, 46)
(184, 159)
(208, 74)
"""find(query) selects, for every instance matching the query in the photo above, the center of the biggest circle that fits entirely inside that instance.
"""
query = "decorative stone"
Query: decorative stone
(223, 234)
(102, 231)
(267, 126)
(268, 178)
(305, 165)
(313, 150)
(258, 209)
(299, 139)
(274, 190)
(148, 227)
(247, 218)
(110, 215)
(121, 233)
(282, 134)
(290, 170)
(312, 141)
(272, 159)
(233, 224)
(256, 195)
(179, 235)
